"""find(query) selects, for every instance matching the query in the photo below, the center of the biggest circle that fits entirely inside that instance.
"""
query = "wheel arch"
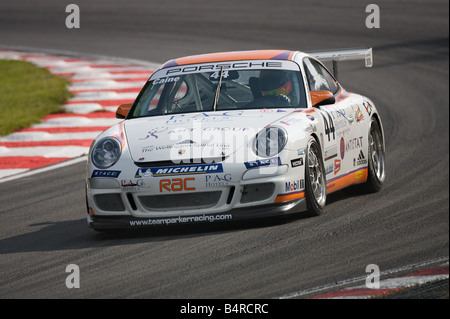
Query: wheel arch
(377, 118)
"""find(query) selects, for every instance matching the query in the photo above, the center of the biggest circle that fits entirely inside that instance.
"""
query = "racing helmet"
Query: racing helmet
(274, 82)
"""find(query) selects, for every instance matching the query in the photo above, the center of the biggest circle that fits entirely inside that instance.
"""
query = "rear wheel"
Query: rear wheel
(376, 174)
(315, 181)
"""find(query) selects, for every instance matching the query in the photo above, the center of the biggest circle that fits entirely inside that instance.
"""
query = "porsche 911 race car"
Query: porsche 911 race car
(234, 135)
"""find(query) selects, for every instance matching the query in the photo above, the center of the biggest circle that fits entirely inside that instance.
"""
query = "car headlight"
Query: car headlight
(106, 152)
(270, 141)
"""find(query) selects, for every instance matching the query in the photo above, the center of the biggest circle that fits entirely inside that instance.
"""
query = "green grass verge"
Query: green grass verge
(27, 94)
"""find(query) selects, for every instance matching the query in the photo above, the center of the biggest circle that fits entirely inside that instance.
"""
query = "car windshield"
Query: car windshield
(226, 86)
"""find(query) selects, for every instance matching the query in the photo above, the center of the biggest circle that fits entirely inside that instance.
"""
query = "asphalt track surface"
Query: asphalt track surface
(43, 227)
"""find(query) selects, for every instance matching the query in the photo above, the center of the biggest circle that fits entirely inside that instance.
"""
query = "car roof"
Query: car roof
(231, 56)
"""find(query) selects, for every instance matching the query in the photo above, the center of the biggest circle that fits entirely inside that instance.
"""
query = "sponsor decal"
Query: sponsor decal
(337, 166)
(342, 147)
(291, 120)
(271, 111)
(208, 118)
(368, 107)
(180, 220)
(354, 143)
(154, 133)
(128, 185)
(143, 172)
(358, 114)
(330, 152)
(186, 169)
(225, 66)
(166, 80)
(176, 184)
(294, 186)
(361, 160)
(217, 180)
(297, 162)
(182, 147)
(329, 169)
(263, 162)
(103, 173)
(301, 151)
(340, 124)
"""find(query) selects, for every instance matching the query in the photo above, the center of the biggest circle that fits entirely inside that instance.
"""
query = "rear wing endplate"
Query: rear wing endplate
(344, 55)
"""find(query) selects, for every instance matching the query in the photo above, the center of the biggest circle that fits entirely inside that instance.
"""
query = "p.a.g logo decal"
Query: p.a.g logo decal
(217, 180)
(129, 185)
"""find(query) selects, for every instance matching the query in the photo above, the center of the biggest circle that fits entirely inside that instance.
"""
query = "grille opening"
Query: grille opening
(131, 201)
(109, 202)
(230, 195)
(257, 192)
(180, 201)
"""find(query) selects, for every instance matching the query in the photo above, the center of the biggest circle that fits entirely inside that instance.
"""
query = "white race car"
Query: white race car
(234, 135)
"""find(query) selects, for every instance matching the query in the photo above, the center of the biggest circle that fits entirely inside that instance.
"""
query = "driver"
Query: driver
(275, 83)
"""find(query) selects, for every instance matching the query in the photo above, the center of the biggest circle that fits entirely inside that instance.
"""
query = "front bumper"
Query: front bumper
(105, 222)
(132, 197)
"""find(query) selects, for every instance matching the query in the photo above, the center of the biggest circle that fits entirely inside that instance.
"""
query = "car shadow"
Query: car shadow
(75, 234)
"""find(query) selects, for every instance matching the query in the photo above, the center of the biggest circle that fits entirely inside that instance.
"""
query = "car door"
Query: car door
(336, 117)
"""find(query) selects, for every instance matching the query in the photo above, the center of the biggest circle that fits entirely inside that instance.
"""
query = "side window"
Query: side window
(319, 79)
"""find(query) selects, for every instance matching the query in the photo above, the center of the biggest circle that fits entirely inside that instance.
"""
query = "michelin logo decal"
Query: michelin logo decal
(179, 170)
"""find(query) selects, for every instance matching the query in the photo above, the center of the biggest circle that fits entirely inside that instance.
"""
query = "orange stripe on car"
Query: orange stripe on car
(355, 177)
(121, 136)
(232, 56)
(287, 197)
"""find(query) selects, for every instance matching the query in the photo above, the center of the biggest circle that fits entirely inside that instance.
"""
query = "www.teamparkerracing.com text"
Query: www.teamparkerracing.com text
(180, 220)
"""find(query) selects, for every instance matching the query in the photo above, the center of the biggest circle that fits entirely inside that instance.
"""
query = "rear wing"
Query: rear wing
(344, 55)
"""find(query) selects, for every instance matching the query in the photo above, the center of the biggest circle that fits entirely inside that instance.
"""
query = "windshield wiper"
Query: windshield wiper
(216, 98)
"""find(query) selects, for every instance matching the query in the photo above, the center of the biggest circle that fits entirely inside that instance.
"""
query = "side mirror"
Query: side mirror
(122, 110)
(322, 98)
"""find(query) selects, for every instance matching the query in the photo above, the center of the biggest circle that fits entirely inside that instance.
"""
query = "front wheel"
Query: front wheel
(315, 181)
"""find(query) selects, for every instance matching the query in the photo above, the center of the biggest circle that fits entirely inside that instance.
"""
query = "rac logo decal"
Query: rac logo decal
(176, 184)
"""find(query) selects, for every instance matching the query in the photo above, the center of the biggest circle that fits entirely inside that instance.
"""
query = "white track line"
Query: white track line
(342, 283)
(26, 173)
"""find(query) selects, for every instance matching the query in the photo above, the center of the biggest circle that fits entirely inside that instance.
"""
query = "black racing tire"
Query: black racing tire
(376, 158)
(315, 179)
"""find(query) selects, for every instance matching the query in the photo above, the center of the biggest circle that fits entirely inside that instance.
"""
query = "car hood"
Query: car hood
(207, 136)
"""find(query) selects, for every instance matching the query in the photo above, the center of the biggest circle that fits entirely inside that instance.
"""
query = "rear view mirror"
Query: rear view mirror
(322, 98)
(122, 110)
